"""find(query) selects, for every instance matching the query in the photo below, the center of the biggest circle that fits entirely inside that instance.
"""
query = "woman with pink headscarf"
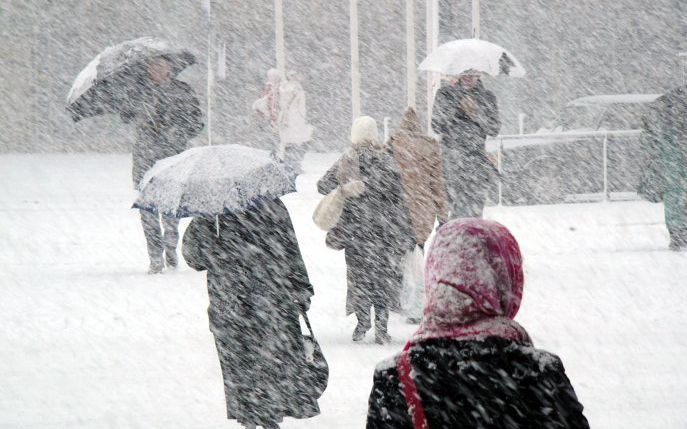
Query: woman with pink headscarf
(470, 365)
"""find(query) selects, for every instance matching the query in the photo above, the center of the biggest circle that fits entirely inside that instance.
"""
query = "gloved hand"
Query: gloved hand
(303, 304)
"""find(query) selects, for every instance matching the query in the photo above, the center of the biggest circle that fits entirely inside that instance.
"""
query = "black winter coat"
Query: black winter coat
(466, 167)
(167, 116)
(375, 230)
(491, 384)
(257, 282)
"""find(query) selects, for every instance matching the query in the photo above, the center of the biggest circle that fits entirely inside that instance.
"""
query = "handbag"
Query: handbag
(329, 209)
(315, 370)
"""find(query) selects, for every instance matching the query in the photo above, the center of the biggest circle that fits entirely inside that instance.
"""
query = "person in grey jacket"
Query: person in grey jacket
(464, 114)
(167, 115)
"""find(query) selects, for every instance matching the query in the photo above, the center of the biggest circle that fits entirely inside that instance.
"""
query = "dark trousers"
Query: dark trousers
(381, 318)
(157, 240)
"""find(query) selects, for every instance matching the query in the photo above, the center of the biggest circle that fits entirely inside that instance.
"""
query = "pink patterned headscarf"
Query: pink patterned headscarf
(474, 283)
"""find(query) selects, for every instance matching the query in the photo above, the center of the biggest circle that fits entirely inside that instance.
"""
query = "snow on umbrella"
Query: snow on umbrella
(453, 58)
(214, 180)
(103, 86)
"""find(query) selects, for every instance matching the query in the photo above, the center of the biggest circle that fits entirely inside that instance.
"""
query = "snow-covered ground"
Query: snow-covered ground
(89, 340)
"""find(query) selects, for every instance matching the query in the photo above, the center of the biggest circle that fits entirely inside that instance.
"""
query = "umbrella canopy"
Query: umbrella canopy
(214, 180)
(108, 79)
(455, 57)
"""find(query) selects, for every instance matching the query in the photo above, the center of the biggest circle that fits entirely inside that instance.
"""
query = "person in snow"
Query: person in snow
(167, 115)
(464, 114)
(664, 151)
(374, 227)
(257, 285)
(268, 107)
(419, 159)
(470, 365)
(294, 131)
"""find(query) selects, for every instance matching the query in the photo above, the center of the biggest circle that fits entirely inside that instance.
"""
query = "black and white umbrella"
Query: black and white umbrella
(108, 80)
(214, 180)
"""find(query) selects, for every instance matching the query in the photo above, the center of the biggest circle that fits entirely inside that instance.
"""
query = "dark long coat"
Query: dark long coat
(494, 383)
(256, 279)
(167, 116)
(468, 173)
(664, 152)
(375, 230)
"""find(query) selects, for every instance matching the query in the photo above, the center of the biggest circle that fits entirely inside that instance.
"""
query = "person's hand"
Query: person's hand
(354, 188)
(303, 304)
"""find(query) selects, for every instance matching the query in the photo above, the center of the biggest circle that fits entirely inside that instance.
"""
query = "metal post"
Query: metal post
(432, 25)
(605, 167)
(355, 61)
(386, 128)
(411, 75)
(279, 36)
(499, 169)
(208, 6)
(475, 19)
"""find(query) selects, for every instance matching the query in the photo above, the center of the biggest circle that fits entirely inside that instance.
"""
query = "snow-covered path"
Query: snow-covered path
(88, 340)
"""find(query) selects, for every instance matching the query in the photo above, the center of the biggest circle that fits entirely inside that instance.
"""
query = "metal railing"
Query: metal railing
(499, 140)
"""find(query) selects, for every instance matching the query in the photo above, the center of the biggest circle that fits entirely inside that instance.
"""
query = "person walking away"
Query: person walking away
(257, 286)
(464, 114)
(268, 108)
(664, 151)
(470, 365)
(167, 115)
(294, 131)
(374, 228)
(419, 159)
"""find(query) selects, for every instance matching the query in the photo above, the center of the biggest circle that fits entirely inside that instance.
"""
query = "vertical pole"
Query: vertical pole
(475, 19)
(386, 128)
(499, 164)
(411, 75)
(208, 7)
(355, 61)
(279, 36)
(432, 28)
(605, 167)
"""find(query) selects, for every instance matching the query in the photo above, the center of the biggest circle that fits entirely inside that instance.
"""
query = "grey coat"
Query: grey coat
(257, 284)
(167, 116)
(375, 230)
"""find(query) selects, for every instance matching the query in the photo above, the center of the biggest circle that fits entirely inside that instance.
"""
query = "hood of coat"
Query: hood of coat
(365, 135)
(481, 260)
(410, 123)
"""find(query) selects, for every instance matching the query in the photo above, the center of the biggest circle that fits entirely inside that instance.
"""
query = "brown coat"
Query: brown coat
(419, 157)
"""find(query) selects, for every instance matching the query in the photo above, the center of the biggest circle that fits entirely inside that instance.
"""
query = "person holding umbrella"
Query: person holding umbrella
(136, 80)
(167, 115)
(464, 114)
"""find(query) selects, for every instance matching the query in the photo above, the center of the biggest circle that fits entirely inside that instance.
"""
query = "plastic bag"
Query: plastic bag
(413, 291)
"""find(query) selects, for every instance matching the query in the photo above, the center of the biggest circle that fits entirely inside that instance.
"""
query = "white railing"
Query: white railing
(544, 138)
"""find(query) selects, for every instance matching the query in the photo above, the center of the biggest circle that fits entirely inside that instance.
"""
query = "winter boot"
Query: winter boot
(382, 336)
(156, 266)
(359, 332)
(381, 323)
(171, 258)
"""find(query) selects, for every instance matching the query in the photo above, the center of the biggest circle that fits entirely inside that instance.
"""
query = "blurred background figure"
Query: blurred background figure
(464, 114)
(419, 159)
(294, 131)
(374, 228)
(167, 115)
(267, 107)
(470, 365)
(664, 154)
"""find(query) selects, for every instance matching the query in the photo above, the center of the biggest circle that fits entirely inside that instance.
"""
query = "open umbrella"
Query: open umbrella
(453, 58)
(214, 180)
(106, 82)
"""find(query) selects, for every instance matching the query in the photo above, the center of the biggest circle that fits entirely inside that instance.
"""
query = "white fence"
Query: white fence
(511, 141)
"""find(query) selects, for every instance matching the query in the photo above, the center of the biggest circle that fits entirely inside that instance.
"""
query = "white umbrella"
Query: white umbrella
(214, 180)
(455, 57)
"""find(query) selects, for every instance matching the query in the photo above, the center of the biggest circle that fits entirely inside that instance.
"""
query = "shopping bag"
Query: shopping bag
(329, 209)
(412, 292)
